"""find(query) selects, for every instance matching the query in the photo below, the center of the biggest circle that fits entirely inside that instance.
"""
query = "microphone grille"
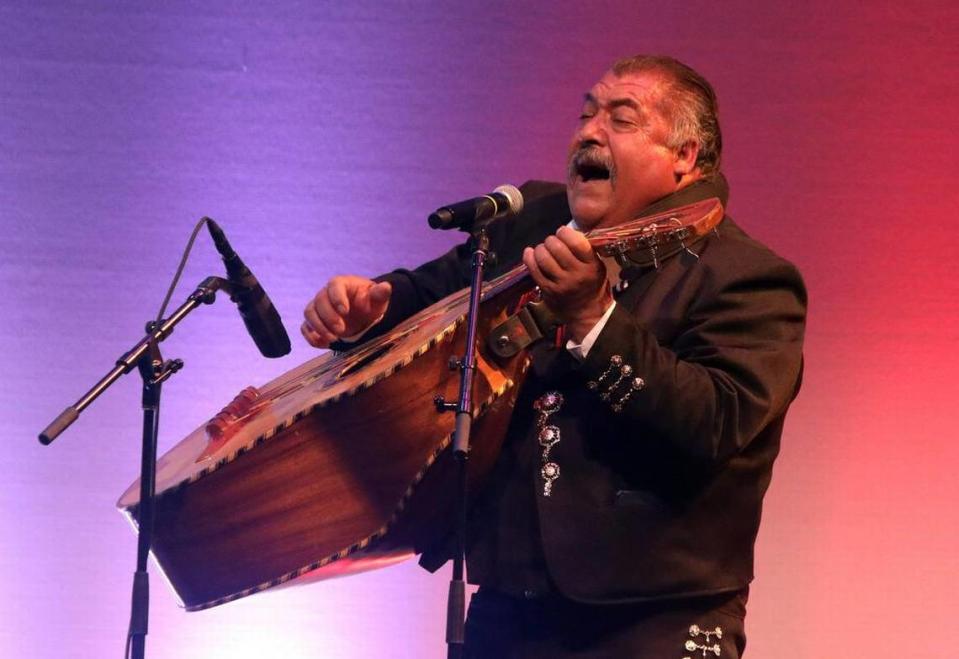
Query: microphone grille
(513, 196)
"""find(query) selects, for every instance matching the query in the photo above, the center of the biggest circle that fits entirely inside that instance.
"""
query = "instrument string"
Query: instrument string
(621, 235)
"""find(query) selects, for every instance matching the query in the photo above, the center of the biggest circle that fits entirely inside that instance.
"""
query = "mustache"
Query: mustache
(590, 157)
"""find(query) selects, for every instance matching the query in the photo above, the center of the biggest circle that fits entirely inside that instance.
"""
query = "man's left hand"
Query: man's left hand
(572, 279)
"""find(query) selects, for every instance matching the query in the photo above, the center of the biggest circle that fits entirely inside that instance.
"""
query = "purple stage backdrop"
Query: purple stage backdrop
(320, 135)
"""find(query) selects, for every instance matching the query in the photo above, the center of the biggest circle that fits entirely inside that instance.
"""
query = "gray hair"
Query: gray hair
(689, 103)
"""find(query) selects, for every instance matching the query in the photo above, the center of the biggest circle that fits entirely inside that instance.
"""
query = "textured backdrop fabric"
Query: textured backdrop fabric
(320, 136)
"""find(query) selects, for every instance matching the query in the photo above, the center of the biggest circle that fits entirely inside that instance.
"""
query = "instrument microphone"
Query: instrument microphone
(259, 315)
(504, 200)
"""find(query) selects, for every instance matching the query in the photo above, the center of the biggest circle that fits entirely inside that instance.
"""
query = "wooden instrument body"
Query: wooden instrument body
(340, 470)
(338, 466)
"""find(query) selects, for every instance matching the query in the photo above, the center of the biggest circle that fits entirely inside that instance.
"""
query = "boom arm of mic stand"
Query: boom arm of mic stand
(205, 293)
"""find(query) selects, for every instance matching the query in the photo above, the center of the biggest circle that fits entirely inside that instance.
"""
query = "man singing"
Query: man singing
(628, 531)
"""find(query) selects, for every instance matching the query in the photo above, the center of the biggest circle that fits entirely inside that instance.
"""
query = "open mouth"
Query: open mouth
(590, 166)
(592, 172)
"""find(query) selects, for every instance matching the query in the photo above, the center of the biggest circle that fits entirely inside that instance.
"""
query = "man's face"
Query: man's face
(618, 160)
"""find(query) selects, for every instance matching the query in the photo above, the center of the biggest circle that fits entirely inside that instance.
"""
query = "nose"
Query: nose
(591, 131)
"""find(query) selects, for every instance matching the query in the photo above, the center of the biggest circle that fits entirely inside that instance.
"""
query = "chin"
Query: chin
(587, 215)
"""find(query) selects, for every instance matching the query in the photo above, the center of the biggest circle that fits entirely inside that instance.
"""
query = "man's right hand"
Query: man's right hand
(346, 306)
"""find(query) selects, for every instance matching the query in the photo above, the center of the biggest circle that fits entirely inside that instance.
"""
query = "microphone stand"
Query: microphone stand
(154, 370)
(456, 599)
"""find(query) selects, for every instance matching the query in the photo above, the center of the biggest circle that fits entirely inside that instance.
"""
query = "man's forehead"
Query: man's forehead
(639, 86)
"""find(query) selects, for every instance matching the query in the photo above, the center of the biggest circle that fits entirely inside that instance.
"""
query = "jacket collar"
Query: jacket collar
(710, 186)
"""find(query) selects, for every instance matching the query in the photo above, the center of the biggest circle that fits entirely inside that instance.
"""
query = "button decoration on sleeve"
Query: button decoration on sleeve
(614, 385)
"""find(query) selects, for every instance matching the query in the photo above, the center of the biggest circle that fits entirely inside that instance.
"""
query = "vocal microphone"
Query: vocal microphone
(259, 315)
(504, 200)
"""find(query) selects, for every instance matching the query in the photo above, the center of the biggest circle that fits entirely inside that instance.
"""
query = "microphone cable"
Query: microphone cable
(179, 270)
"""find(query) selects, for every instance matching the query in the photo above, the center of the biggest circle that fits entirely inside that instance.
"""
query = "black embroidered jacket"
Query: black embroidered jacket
(662, 479)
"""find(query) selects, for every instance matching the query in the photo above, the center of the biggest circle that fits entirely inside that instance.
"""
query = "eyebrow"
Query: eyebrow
(616, 102)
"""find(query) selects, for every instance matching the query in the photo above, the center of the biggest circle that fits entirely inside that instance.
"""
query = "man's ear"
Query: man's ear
(686, 156)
